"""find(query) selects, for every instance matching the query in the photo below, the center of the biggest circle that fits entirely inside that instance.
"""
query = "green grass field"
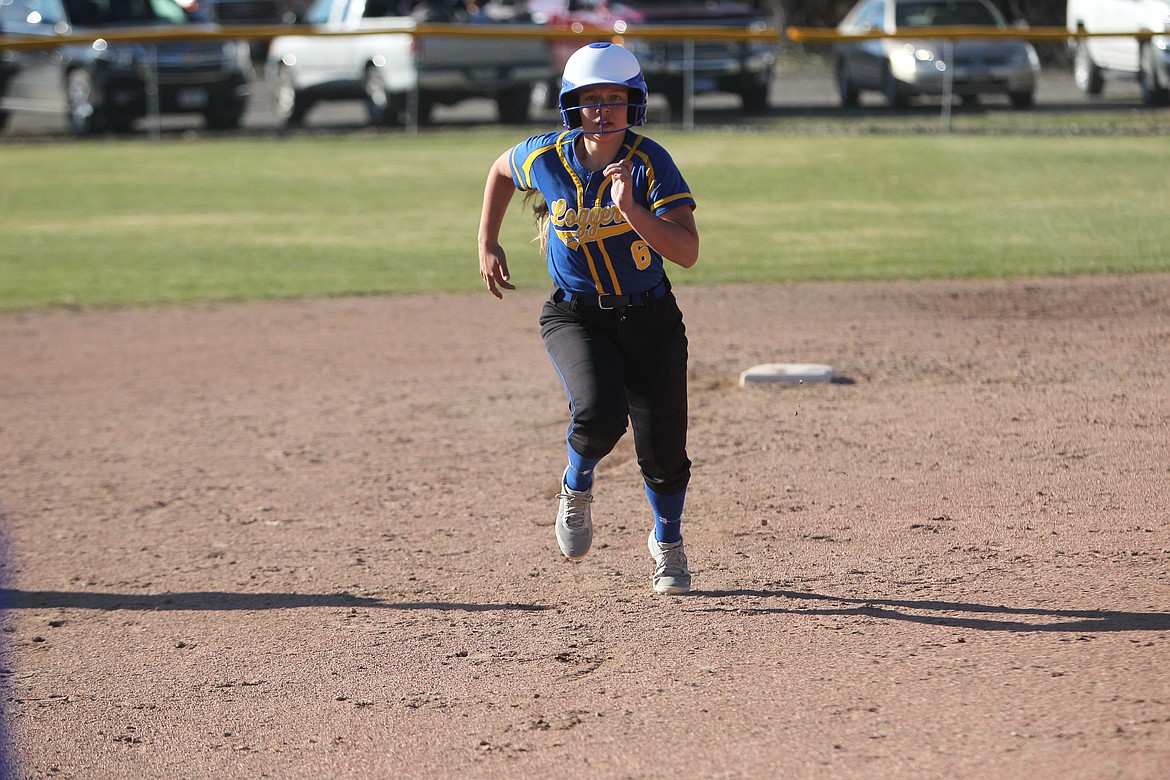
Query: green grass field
(133, 222)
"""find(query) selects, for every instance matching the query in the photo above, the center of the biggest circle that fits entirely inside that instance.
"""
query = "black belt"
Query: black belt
(614, 301)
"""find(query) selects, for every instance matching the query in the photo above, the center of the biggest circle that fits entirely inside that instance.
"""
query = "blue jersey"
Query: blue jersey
(591, 248)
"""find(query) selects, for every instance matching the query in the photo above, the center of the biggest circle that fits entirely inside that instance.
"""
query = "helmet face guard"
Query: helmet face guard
(635, 111)
(600, 64)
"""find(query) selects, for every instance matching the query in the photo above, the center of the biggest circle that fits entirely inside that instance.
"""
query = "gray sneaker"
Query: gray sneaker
(671, 575)
(574, 522)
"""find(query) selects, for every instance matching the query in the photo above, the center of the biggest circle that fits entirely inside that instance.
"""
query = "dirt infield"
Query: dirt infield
(313, 539)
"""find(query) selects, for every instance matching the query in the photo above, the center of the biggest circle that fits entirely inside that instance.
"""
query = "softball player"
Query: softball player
(615, 207)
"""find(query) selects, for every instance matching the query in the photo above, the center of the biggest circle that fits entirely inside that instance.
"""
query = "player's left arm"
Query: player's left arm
(674, 235)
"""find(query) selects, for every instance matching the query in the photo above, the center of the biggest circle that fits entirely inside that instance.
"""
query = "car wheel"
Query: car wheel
(225, 115)
(291, 103)
(119, 122)
(544, 95)
(675, 101)
(423, 110)
(1022, 99)
(845, 86)
(1086, 74)
(1154, 91)
(895, 93)
(515, 105)
(382, 108)
(82, 112)
(754, 97)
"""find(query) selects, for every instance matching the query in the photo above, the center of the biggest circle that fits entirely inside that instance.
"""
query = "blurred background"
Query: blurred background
(99, 67)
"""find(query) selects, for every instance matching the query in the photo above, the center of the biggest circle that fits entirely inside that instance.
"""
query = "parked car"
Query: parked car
(392, 72)
(104, 86)
(901, 68)
(1096, 60)
(736, 67)
(242, 12)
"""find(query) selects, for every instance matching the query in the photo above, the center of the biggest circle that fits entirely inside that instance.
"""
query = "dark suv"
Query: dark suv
(104, 85)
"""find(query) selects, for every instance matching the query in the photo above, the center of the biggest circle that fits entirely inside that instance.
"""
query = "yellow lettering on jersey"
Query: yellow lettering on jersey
(586, 224)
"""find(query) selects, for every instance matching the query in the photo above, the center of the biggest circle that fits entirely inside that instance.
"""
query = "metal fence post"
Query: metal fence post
(413, 101)
(153, 111)
(689, 84)
(948, 82)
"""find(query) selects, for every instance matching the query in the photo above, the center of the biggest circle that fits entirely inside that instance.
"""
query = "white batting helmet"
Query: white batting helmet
(602, 63)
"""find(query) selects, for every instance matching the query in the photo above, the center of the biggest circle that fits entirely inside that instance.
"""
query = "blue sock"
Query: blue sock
(668, 512)
(579, 475)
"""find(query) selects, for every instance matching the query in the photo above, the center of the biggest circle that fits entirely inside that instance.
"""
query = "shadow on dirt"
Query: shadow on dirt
(940, 613)
(213, 600)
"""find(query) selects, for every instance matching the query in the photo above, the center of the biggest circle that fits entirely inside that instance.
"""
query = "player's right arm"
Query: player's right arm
(497, 194)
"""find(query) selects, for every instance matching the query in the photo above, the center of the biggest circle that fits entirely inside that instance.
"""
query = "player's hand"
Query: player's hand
(493, 269)
(622, 175)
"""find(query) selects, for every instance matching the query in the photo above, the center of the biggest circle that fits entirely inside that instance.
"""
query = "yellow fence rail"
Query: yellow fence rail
(421, 30)
(1033, 34)
(759, 34)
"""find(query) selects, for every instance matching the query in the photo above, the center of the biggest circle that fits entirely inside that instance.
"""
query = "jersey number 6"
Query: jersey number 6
(641, 252)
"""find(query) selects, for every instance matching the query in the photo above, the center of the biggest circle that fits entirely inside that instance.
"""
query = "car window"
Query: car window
(169, 10)
(944, 14)
(14, 13)
(106, 13)
(380, 9)
(318, 12)
(873, 16)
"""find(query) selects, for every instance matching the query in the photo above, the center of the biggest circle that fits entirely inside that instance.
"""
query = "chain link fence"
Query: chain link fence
(406, 74)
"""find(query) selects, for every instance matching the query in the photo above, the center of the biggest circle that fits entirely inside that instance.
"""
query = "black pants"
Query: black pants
(624, 366)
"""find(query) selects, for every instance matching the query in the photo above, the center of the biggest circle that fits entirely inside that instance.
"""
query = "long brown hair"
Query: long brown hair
(536, 201)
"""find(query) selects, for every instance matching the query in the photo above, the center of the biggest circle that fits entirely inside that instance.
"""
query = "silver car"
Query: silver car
(901, 68)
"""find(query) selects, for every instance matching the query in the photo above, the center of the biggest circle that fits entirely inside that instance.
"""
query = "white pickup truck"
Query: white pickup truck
(1097, 59)
(399, 77)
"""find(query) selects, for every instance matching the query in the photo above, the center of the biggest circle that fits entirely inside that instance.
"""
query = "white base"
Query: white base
(787, 373)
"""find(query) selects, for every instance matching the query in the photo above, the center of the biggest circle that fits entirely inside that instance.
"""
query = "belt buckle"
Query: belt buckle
(601, 303)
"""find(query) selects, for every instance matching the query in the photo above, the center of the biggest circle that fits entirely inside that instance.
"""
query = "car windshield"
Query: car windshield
(935, 14)
(678, 6)
(115, 13)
